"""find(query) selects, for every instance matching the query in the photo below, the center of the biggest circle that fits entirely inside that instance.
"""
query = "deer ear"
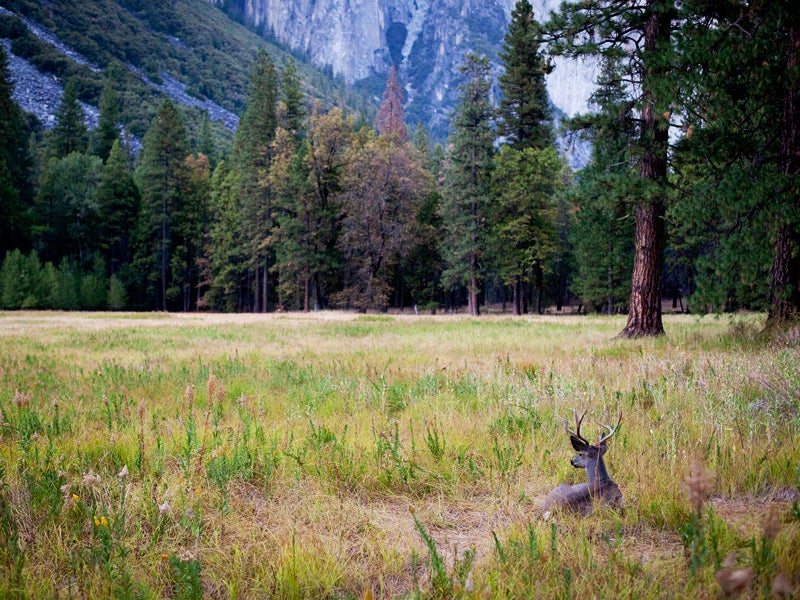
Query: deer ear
(577, 444)
(602, 447)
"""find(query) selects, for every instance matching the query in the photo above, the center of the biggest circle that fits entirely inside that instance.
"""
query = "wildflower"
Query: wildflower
(21, 400)
(123, 473)
(91, 479)
(198, 491)
(164, 509)
(75, 497)
(734, 581)
(782, 587)
(772, 524)
(698, 485)
(104, 521)
(96, 521)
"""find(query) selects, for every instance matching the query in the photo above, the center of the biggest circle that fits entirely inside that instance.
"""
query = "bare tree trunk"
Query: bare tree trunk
(472, 291)
(265, 288)
(644, 316)
(785, 284)
(164, 255)
(517, 297)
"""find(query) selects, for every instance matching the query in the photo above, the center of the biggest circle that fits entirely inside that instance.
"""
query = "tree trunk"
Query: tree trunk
(644, 316)
(785, 284)
(265, 288)
(472, 290)
(164, 254)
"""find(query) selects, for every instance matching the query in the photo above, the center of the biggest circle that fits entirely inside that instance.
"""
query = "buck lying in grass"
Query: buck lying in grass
(599, 488)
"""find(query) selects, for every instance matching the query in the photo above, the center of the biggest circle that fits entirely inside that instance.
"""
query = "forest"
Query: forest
(691, 194)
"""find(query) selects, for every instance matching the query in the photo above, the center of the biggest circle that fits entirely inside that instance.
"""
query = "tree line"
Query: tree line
(691, 191)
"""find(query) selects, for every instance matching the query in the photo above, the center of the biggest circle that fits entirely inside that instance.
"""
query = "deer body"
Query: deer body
(599, 487)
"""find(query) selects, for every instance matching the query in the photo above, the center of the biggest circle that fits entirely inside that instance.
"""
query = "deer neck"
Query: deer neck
(597, 474)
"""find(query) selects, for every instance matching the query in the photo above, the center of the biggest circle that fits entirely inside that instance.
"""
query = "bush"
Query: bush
(117, 295)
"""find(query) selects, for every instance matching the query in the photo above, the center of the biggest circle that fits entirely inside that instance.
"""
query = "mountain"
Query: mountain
(427, 39)
(183, 49)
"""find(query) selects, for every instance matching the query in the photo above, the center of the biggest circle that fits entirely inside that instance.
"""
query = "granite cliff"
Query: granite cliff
(427, 39)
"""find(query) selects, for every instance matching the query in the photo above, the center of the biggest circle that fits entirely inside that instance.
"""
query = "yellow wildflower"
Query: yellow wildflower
(96, 521)
(75, 497)
(104, 521)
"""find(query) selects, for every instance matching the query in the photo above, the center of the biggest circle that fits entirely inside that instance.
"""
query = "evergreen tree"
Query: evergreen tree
(15, 189)
(323, 158)
(251, 156)
(643, 34)
(603, 232)
(117, 199)
(524, 109)
(67, 216)
(224, 248)
(738, 161)
(161, 177)
(523, 220)
(468, 193)
(391, 119)
(293, 113)
(69, 134)
(106, 133)
(205, 141)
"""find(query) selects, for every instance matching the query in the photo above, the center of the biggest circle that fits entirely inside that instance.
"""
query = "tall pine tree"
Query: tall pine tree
(391, 118)
(468, 192)
(106, 133)
(642, 33)
(15, 189)
(251, 160)
(70, 133)
(162, 178)
(524, 110)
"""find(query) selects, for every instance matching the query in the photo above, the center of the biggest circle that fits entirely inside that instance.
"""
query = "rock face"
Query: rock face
(427, 39)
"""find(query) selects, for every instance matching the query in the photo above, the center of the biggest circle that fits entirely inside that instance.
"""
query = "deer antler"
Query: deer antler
(610, 430)
(577, 432)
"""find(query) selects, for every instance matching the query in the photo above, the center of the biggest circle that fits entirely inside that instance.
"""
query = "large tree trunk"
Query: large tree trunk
(785, 284)
(644, 317)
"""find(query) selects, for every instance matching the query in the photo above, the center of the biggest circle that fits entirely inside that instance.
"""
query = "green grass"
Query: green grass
(346, 456)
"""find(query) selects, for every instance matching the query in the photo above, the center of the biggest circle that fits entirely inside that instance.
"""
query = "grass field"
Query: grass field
(361, 456)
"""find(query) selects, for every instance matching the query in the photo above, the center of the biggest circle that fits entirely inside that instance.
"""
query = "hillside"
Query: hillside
(185, 49)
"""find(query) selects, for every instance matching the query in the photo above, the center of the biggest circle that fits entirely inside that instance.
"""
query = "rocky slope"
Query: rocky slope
(360, 39)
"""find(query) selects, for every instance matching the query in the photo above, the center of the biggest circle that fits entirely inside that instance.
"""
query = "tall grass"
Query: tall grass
(278, 456)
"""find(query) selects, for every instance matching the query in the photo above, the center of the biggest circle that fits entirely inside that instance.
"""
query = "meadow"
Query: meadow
(337, 455)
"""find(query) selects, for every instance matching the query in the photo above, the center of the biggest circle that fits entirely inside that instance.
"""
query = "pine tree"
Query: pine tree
(643, 33)
(468, 191)
(603, 232)
(293, 112)
(205, 141)
(523, 219)
(524, 110)
(391, 118)
(117, 199)
(15, 189)
(162, 178)
(106, 133)
(69, 134)
(251, 159)
(66, 210)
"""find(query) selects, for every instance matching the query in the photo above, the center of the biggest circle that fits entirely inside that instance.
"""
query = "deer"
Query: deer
(580, 498)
